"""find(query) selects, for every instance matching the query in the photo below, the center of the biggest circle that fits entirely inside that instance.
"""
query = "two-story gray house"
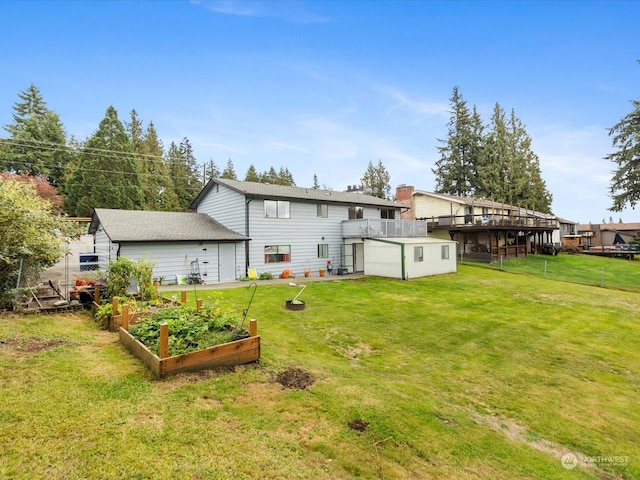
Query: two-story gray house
(235, 228)
(302, 228)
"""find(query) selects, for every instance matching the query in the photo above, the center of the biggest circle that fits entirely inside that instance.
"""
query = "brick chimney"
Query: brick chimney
(404, 196)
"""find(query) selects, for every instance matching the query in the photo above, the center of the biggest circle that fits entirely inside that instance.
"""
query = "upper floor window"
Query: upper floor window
(276, 209)
(323, 210)
(389, 213)
(356, 212)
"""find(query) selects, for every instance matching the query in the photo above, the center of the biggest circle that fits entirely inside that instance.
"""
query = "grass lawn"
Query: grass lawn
(474, 375)
(588, 269)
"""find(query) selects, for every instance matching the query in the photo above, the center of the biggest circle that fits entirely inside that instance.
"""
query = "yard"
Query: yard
(474, 375)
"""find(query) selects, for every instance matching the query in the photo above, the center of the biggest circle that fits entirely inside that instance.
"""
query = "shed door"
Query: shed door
(227, 262)
(358, 257)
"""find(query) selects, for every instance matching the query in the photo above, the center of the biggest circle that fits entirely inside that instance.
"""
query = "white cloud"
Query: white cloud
(287, 10)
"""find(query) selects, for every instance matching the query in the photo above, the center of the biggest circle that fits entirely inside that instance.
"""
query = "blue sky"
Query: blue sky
(325, 87)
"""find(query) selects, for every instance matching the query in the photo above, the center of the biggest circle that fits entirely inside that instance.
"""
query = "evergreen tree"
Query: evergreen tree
(285, 177)
(229, 172)
(493, 167)
(157, 185)
(625, 183)
(456, 170)
(316, 185)
(193, 183)
(252, 174)
(525, 179)
(375, 181)
(211, 171)
(37, 142)
(107, 175)
(183, 169)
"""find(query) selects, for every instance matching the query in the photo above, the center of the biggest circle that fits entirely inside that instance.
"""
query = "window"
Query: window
(356, 212)
(276, 209)
(418, 254)
(388, 213)
(323, 250)
(444, 252)
(323, 210)
(277, 253)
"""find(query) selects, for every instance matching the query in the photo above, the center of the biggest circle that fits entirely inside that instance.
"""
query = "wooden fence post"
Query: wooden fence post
(96, 294)
(253, 328)
(183, 297)
(125, 317)
(164, 340)
(114, 314)
(198, 304)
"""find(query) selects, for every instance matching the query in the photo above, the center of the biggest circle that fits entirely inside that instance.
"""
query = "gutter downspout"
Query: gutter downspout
(246, 232)
(402, 257)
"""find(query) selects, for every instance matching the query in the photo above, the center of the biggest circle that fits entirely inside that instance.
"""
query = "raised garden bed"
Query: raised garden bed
(228, 354)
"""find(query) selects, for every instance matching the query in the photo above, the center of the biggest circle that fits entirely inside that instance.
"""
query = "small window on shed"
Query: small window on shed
(418, 254)
(444, 252)
(323, 210)
(323, 250)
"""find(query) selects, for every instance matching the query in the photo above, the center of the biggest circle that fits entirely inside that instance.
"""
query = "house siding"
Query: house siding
(226, 206)
(104, 248)
(173, 259)
(303, 231)
(429, 207)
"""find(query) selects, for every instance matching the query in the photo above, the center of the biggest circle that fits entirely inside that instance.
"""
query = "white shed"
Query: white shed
(407, 258)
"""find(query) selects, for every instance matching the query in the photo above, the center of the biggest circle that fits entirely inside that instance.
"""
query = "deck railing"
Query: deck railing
(383, 228)
(491, 220)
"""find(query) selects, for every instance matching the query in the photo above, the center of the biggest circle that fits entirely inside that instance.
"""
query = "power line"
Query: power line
(33, 143)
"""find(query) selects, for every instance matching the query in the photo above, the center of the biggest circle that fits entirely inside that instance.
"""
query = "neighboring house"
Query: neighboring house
(566, 233)
(407, 258)
(604, 234)
(171, 241)
(302, 228)
(485, 230)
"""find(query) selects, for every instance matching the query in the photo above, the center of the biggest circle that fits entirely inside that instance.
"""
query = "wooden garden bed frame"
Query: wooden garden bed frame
(230, 354)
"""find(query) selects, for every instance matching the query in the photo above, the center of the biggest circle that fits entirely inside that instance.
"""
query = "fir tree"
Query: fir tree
(107, 175)
(316, 185)
(212, 170)
(375, 181)
(37, 142)
(625, 183)
(229, 172)
(252, 174)
(456, 170)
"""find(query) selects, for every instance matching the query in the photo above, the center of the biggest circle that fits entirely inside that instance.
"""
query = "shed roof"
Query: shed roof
(266, 190)
(145, 226)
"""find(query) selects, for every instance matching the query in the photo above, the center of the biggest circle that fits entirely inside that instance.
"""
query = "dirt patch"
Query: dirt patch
(358, 424)
(294, 377)
(31, 345)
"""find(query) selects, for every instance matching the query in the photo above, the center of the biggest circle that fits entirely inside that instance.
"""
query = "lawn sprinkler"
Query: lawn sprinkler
(296, 304)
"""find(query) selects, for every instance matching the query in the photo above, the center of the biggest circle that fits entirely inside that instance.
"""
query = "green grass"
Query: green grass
(475, 375)
(588, 269)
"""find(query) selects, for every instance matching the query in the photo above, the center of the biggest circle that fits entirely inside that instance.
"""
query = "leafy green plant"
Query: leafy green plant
(120, 273)
(265, 276)
(189, 329)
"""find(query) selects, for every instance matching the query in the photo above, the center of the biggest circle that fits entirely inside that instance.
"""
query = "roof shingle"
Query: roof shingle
(149, 226)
